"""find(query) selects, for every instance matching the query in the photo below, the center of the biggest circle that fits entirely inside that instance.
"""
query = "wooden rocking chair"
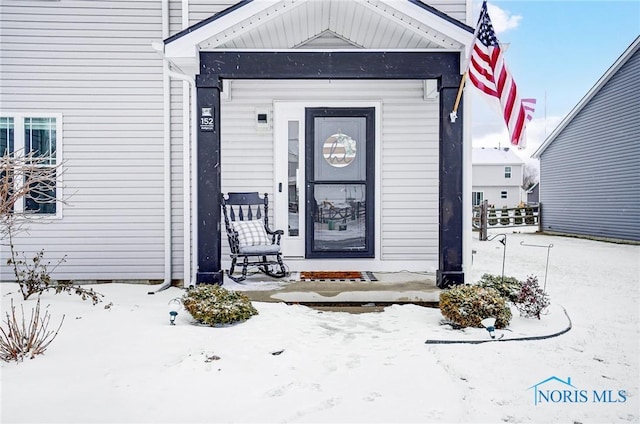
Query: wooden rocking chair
(246, 220)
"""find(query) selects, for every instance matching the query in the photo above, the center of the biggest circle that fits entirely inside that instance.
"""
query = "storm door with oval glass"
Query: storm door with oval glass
(339, 182)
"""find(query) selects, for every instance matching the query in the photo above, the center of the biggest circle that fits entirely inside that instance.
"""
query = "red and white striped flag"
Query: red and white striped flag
(488, 72)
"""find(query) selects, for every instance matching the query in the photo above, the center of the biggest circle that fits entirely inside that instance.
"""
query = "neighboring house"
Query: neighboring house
(533, 194)
(497, 177)
(589, 175)
(155, 108)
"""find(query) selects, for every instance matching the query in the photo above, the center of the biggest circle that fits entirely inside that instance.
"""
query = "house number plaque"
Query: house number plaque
(206, 119)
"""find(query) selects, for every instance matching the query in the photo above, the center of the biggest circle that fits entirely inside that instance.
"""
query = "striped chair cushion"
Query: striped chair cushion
(251, 233)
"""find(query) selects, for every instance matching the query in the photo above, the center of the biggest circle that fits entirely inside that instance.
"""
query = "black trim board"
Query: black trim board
(443, 66)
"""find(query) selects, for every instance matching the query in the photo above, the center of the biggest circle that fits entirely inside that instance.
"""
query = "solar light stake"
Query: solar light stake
(489, 324)
(174, 306)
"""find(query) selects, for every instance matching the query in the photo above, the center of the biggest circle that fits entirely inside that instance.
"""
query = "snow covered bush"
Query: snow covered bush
(213, 305)
(504, 216)
(493, 220)
(468, 305)
(26, 340)
(518, 216)
(531, 300)
(529, 219)
(508, 287)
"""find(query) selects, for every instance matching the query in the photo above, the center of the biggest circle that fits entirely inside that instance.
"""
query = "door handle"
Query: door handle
(279, 187)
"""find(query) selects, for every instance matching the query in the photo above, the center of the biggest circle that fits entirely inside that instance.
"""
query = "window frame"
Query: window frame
(19, 144)
(508, 172)
(478, 194)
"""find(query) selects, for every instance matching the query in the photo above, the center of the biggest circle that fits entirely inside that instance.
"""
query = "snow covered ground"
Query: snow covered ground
(125, 364)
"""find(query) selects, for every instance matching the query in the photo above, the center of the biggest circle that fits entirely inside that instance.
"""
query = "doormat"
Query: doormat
(337, 276)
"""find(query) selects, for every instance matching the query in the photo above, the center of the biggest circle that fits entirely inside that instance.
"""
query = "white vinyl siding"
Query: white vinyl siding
(200, 10)
(92, 62)
(408, 147)
(456, 9)
(493, 181)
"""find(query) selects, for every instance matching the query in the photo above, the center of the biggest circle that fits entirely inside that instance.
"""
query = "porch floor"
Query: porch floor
(390, 288)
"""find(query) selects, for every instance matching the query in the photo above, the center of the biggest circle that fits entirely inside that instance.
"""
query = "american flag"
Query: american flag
(488, 72)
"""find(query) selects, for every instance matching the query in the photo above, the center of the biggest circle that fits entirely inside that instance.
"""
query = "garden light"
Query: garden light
(489, 324)
(174, 306)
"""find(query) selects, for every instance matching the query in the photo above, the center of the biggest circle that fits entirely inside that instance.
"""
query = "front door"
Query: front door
(339, 182)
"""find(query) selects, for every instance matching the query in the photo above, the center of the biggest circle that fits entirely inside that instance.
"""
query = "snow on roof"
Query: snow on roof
(495, 156)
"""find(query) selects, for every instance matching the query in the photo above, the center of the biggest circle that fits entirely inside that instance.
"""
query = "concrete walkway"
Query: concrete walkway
(391, 287)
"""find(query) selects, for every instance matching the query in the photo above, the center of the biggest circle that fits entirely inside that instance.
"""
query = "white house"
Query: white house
(155, 108)
(497, 177)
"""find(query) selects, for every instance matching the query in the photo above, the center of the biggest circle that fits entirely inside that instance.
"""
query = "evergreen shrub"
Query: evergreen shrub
(213, 305)
(468, 305)
(508, 287)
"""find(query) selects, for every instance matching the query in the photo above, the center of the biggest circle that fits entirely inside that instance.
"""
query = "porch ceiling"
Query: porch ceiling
(332, 24)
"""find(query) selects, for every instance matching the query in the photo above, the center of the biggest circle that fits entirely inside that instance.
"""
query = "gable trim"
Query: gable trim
(207, 21)
(184, 43)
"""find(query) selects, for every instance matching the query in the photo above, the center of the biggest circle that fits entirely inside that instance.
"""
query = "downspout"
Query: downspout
(188, 150)
(190, 167)
(166, 111)
(191, 211)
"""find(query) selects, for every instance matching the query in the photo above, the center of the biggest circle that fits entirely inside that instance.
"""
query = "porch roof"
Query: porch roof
(274, 25)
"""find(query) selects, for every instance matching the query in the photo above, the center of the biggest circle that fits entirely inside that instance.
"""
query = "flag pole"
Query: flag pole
(454, 114)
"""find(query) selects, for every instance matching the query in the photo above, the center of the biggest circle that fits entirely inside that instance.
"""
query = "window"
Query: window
(477, 198)
(6, 135)
(39, 135)
(507, 172)
(503, 194)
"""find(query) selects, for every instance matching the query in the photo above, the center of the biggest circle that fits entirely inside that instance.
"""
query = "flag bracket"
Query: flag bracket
(454, 114)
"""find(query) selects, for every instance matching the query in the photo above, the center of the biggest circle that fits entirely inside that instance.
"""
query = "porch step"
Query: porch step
(390, 288)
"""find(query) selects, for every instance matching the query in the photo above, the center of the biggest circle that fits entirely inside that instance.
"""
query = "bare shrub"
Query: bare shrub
(24, 339)
(30, 176)
(34, 277)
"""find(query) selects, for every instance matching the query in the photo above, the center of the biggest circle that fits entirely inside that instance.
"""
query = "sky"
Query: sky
(556, 51)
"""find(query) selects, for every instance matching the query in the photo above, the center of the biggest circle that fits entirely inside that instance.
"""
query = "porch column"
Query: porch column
(209, 182)
(451, 182)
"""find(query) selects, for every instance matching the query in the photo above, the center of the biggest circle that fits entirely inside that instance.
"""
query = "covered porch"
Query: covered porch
(217, 52)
